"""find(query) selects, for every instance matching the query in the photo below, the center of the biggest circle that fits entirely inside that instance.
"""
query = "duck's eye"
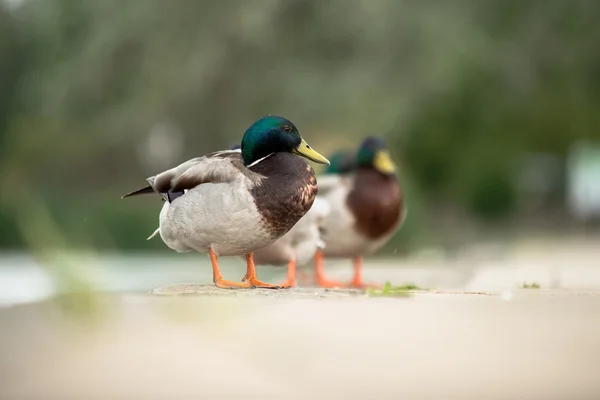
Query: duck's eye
(287, 129)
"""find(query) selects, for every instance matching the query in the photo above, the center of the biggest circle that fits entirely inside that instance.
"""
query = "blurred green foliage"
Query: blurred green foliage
(460, 89)
(393, 291)
(533, 285)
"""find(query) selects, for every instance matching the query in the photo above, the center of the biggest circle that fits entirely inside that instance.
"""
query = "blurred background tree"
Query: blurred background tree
(95, 96)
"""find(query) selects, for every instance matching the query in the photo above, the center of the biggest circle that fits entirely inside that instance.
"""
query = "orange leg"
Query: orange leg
(320, 273)
(251, 278)
(218, 279)
(357, 281)
(291, 275)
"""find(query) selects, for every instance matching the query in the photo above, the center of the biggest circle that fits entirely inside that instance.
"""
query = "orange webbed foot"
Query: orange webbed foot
(251, 279)
(326, 283)
(357, 282)
(320, 279)
(260, 284)
(218, 279)
(225, 284)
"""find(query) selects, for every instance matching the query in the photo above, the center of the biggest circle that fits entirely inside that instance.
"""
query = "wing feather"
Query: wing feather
(219, 167)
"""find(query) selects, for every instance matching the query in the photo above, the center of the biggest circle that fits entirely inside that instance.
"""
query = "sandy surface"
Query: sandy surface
(473, 336)
(306, 343)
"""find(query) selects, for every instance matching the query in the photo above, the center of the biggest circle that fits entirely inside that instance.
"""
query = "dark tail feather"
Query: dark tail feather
(145, 190)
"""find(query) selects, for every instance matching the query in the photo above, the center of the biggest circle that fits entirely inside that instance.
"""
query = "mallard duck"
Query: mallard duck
(298, 246)
(367, 208)
(231, 203)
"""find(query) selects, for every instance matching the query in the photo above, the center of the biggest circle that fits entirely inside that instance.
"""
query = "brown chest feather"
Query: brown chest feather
(287, 192)
(376, 202)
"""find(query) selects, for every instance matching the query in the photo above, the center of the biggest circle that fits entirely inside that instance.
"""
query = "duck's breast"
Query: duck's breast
(365, 213)
(336, 231)
(376, 203)
(287, 192)
(300, 242)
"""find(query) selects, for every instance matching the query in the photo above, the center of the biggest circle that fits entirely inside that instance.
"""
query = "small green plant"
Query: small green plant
(409, 286)
(533, 285)
(393, 291)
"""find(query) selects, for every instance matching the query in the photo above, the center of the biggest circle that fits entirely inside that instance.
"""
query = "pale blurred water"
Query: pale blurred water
(23, 279)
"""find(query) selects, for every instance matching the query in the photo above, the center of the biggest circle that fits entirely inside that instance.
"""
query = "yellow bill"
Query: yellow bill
(383, 162)
(304, 150)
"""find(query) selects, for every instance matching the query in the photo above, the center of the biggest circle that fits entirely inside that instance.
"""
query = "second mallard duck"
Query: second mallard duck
(367, 207)
(231, 203)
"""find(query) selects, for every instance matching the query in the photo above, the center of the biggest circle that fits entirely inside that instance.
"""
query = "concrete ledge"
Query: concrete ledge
(294, 293)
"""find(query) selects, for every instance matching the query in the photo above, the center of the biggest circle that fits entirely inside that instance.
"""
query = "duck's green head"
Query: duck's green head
(342, 162)
(273, 135)
(373, 153)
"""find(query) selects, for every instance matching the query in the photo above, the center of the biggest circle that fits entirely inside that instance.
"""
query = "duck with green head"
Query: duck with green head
(233, 202)
(367, 208)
